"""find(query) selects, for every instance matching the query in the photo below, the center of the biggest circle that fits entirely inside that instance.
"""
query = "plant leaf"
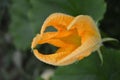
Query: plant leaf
(91, 69)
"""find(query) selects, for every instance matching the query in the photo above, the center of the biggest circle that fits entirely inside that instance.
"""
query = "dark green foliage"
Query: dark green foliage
(50, 29)
(46, 48)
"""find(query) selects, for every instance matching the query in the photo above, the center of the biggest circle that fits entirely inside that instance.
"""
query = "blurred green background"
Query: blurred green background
(21, 20)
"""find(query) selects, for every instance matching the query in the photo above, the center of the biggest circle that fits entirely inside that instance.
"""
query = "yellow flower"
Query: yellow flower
(76, 38)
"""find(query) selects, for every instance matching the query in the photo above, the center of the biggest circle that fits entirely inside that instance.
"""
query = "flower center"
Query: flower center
(73, 38)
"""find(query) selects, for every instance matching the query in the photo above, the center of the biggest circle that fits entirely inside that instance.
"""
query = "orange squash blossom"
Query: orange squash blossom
(77, 37)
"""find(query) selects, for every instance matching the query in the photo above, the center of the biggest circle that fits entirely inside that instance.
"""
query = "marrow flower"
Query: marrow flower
(75, 38)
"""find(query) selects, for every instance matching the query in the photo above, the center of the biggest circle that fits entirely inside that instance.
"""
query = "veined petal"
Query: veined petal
(54, 58)
(84, 50)
(85, 26)
(58, 20)
(40, 39)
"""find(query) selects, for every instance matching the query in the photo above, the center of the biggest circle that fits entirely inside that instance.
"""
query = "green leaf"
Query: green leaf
(94, 8)
(91, 69)
(39, 78)
(3, 5)
(27, 16)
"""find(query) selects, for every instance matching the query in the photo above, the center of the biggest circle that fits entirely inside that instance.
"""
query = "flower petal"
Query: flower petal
(83, 51)
(58, 20)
